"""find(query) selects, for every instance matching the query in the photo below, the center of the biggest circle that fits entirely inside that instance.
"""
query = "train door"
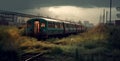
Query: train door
(36, 27)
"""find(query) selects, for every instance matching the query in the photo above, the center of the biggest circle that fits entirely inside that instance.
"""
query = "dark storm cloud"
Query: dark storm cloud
(82, 3)
(30, 4)
(14, 5)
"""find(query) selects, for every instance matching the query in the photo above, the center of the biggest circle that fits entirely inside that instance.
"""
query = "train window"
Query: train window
(61, 26)
(56, 25)
(42, 24)
(51, 25)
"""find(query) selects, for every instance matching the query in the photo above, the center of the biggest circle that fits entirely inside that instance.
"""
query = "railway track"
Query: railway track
(35, 56)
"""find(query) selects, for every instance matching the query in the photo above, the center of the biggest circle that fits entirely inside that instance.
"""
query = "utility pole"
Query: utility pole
(110, 10)
(100, 18)
(103, 16)
(106, 16)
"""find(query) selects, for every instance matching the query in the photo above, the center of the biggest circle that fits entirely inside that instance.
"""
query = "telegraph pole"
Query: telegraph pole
(106, 16)
(110, 10)
(103, 16)
(100, 19)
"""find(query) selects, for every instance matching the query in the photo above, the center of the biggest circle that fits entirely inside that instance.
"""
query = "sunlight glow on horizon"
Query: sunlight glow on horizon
(72, 13)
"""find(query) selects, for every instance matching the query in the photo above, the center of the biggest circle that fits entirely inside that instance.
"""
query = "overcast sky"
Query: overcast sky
(64, 9)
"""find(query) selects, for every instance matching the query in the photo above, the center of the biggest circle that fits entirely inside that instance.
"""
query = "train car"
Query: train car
(44, 27)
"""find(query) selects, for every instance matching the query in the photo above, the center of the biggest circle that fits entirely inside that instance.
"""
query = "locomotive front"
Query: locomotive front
(36, 27)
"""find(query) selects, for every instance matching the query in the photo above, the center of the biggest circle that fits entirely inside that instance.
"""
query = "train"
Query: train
(45, 27)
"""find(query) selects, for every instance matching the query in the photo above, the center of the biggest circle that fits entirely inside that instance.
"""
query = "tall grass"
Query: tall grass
(9, 43)
(94, 42)
(9, 38)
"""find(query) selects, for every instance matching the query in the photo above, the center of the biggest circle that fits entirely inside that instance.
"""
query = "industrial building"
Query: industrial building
(14, 18)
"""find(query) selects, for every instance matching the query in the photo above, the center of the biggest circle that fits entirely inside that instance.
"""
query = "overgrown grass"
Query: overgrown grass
(9, 38)
(95, 41)
(9, 43)
(13, 35)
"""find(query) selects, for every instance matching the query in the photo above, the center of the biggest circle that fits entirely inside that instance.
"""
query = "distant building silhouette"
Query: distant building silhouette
(13, 18)
(88, 25)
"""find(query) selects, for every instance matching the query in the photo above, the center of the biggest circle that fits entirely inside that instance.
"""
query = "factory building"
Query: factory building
(14, 18)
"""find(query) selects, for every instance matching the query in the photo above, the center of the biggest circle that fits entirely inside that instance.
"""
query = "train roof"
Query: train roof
(57, 20)
(53, 20)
